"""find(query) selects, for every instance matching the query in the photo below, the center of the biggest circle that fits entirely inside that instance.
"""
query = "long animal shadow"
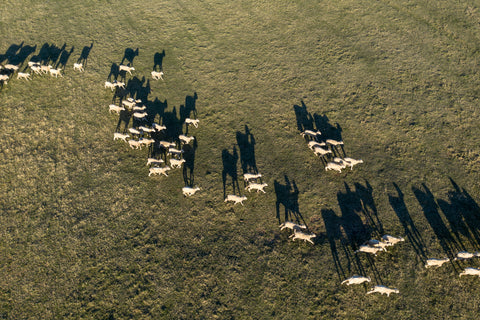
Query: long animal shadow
(189, 165)
(11, 52)
(463, 215)
(229, 161)
(54, 53)
(430, 210)
(124, 118)
(129, 55)
(287, 196)
(158, 61)
(329, 131)
(83, 59)
(246, 145)
(413, 235)
(23, 52)
(114, 72)
(304, 118)
(334, 233)
(64, 57)
(173, 124)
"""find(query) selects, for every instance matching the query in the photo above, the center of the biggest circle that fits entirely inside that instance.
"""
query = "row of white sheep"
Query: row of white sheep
(373, 246)
(298, 232)
(376, 289)
(36, 67)
(462, 255)
(248, 178)
(338, 164)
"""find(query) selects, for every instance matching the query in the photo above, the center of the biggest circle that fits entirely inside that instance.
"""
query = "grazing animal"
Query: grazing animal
(369, 249)
(310, 133)
(174, 151)
(45, 69)
(377, 244)
(192, 121)
(334, 142)
(256, 186)
(166, 144)
(22, 75)
(391, 239)
(146, 129)
(119, 84)
(352, 162)
(78, 66)
(128, 104)
(36, 68)
(139, 108)
(140, 115)
(251, 176)
(10, 67)
(383, 290)
(235, 198)
(189, 191)
(147, 142)
(109, 85)
(134, 131)
(313, 144)
(185, 139)
(292, 225)
(32, 64)
(4, 78)
(158, 170)
(436, 262)
(470, 272)
(118, 135)
(297, 234)
(154, 161)
(334, 166)
(55, 72)
(156, 75)
(115, 108)
(175, 163)
(319, 151)
(126, 68)
(463, 255)
(356, 280)
(158, 127)
(135, 144)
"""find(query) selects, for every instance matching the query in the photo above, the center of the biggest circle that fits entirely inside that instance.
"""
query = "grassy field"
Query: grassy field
(86, 234)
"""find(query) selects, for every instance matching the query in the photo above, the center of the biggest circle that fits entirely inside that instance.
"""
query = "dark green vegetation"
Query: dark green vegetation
(85, 234)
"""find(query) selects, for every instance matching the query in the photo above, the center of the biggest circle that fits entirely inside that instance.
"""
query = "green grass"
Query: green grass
(85, 234)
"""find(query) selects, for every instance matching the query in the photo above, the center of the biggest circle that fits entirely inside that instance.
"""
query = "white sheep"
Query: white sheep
(292, 225)
(235, 198)
(174, 151)
(128, 104)
(391, 239)
(175, 163)
(383, 290)
(334, 142)
(334, 166)
(158, 127)
(256, 186)
(369, 249)
(185, 139)
(470, 272)
(118, 135)
(139, 108)
(377, 244)
(22, 75)
(126, 68)
(156, 75)
(356, 280)
(115, 108)
(192, 121)
(319, 151)
(55, 72)
(146, 129)
(147, 142)
(37, 69)
(154, 161)
(137, 101)
(189, 191)
(134, 131)
(109, 85)
(4, 78)
(432, 262)
(140, 115)
(297, 234)
(78, 66)
(352, 162)
(158, 170)
(310, 133)
(166, 144)
(119, 84)
(313, 144)
(251, 176)
(463, 255)
(33, 64)
(10, 67)
(45, 69)
(135, 144)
